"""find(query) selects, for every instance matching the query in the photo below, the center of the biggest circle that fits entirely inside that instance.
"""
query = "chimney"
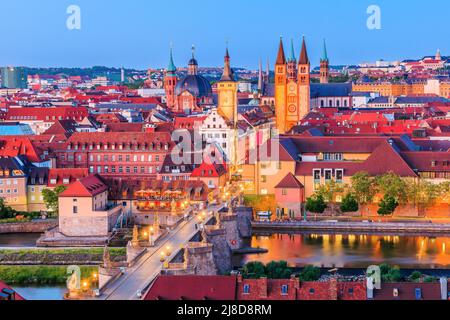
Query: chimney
(333, 289)
(444, 288)
(262, 286)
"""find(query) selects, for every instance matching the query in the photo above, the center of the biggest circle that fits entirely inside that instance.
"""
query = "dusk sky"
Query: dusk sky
(137, 33)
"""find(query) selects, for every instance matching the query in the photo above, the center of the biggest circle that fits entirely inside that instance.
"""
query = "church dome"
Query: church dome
(197, 85)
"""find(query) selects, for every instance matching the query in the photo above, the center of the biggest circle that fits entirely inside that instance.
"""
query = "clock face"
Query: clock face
(292, 108)
(292, 87)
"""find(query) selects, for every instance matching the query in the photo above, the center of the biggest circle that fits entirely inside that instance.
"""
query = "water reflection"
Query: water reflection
(351, 251)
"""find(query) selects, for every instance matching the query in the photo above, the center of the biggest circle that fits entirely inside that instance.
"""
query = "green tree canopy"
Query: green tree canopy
(349, 203)
(309, 273)
(253, 270)
(393, 186)
(316, 204)
(363, 187)
(51, 197)
(278, 270)
(387, 205)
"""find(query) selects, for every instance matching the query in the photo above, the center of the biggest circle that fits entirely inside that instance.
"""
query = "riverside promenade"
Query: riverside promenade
(358, 227)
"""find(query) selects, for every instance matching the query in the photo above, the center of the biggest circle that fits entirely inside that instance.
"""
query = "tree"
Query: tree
(363, 187)
(316, 204)
(387, 205)
(394, 186)
(329, 190)
(349, 203)
(253, 270)
(278, 270)
(415, 276)
(51, 198)
(6, 212)
(309, 273)
(390, 274)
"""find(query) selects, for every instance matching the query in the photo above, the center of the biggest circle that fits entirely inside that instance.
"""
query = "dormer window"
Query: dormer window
(246, 288)
(284, 289)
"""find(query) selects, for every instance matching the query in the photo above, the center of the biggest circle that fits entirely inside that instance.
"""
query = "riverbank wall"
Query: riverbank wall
(360, 227)
(37, 226)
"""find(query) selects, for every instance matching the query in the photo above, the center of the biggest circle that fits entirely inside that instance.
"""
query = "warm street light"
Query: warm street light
(168, 251)
(163, 257)
(150, 238)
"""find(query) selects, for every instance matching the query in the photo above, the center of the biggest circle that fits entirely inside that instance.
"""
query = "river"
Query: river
(19, 239)
(351, 251)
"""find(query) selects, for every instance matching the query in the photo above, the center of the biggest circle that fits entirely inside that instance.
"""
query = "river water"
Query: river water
(19, 239)
(351, 251)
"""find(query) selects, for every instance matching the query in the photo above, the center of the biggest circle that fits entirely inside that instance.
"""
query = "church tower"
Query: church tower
(324, 65)
(227, 89)
(304, 84)
(280, 89)
(170, 82)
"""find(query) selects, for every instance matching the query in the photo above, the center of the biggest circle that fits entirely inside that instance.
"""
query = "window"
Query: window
(284, 192)
(284, 289)
(246, 288)
(328, 175)
(316, 177)
(263, 178)
(91, 169)
(339, 175)
(75, 209)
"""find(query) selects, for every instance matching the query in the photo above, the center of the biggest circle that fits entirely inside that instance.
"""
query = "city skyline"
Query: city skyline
(143, 41)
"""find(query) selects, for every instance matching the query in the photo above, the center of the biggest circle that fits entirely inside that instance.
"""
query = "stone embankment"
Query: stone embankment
(36, 226)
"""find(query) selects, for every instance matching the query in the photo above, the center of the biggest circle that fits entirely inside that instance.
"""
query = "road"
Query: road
(149, 266)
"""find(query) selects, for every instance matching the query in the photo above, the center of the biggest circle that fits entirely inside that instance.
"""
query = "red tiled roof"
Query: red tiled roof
(209, 170)
(289, 182)
(193, 288)
(133, 138)
(46, 113)
(13, 146)
(71, 174)
(85, 187)
(406, 291)
(428, 161)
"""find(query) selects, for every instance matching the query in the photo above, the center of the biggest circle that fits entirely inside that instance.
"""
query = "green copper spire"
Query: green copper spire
(292, 56)
(324, 54)
(171, 67)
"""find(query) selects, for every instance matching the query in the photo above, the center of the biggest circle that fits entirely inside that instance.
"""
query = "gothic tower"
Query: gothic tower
(170, 82)
(304, 84)
(280, 89)
(324, 65)
(227, 89)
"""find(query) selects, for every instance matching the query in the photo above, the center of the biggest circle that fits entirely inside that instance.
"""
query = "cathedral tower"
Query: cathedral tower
(227, 89)
(170, 82)
(304, 84)
(324, 65)
(280, 89)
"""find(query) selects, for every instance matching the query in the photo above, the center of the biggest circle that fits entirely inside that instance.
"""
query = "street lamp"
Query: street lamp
(150, 239)
(168, 253)
(163, 257)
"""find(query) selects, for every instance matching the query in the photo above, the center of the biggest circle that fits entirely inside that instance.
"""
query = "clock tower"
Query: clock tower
(227, 89)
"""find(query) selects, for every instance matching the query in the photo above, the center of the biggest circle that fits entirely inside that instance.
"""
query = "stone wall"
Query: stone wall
(222, 253)
(244, 219)
(28, 227)
(199, 257)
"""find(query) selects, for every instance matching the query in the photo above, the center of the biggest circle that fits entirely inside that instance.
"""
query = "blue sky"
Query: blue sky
(137, 33)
